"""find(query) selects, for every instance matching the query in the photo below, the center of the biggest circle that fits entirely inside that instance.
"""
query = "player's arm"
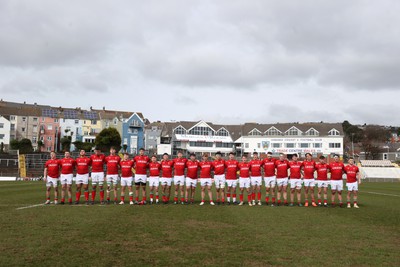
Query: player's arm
(45, 174)
(358, 176)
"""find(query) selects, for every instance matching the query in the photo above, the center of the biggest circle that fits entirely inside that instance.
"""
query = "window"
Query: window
(12, 128)
(42, 119)
(1, 125)
(23, 129)
(107, 124)
(177, 143)
(273, 131)
(48, 148)
(34, 139)
(23, 119)
(48, 138)
(246, 145)
(93, 122)
(55, 120)
(34, 128)
(222, 132)
(154, 128)
(42, 138)
(50, 127)
(304, 145)
(334, 145)
(151, 147)
(1, 136)
(333, 132)
(317, 145)
(255, 132)
(115, 121)
(312, 132)
(180, 130)
(35, 119)
(290, 145)
(224, 145)
(201, 130)
(135, 123)
(201, 144)
(276, 145)
(76, 121)
(125, 141)
(258, 145)
(293, 131)
(12, 118)
(135, 131)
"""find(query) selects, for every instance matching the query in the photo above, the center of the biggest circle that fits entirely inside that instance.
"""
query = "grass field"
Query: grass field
(193, 235)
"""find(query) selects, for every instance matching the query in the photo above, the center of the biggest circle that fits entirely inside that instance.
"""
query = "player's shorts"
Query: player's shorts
(295, 183)
(322, 183)
(231, 183)
(126, 181)
(82, 178)
(205, 181)
(281, 181)
(191, 182)
(112, 179)
(98, 178)
(244, 182)
(165, 181)
(309, 182)
(66, 179)
(51, 182)
(219, 181)
(337, 185)
(140, 179)
(154, 181)
(256, 180)
(179, 180)
(270, 181)
(352, 186)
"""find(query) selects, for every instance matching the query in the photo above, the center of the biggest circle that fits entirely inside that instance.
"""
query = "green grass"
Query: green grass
(193, 235)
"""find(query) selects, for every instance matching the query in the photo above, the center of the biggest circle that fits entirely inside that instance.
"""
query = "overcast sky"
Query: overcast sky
(221, 61)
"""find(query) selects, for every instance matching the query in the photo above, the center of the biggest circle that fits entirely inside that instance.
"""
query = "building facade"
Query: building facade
(5, 126)
(133, 133)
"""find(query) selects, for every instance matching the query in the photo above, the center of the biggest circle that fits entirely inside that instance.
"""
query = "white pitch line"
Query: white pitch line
(382, 194)
(31, 206)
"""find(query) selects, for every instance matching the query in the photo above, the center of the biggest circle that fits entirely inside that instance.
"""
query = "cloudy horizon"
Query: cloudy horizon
(225, 62)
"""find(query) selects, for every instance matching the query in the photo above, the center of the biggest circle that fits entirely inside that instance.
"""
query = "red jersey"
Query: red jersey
(53, 168)
(219, 167)
(244, 168)
(255, 167)
(67, 165)
(231, 169)
(295, 169)
(179, 166)
(98, 162)
(126, 168)
(322, 171)
(112, 164)
(154, 168)
(269, 167)
(351, 172)
(282, 167)
(337, 170)
(141, 164)
(308, 169)
(192, 168)
(82, 165)
(166, 167)
(205, 169)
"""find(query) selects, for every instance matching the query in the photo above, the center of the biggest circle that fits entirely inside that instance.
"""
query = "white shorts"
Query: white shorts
(352, 186)
(140, 178)
(51, 182)
(337, 185)
(322, 183)
(66, 179)
(244, 182)
(179, 180)
(98, 178)
(82, 178)
(112, 179)
(165, 181)
(281, 181)
(231, 183)
(126, 181)
(191, 182)
(270, 181)
(154, 181)
(256, 181)
(219, 181)
(295, 183)
(309, 182)
(205, 181)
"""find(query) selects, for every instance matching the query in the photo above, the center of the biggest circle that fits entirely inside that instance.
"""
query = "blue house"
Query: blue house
(133, 133)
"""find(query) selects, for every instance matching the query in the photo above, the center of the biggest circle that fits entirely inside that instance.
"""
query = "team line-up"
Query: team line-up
(186, 173)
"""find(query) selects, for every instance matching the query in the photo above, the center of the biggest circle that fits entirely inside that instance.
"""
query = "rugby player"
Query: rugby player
(166, 177)
(192, 166)
(219, 177)
(295, 180)
(51, 177)
(337, 169)
(141, 162)
(126, 166)
(179, 177)
(322, 180)
(255, 178)
(308, 169)
(352, 182)
(98, 160)
(244, 180)
(205, 179)
(112, 163)
(282, 166)
(231, 166)
(154, 179)
(269, 178)
(82, 176)
(67, 172)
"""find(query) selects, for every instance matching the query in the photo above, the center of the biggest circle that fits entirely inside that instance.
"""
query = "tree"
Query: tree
(79, 145)
(373, 136)
(24, 146)
(66, 143)
(107, 138)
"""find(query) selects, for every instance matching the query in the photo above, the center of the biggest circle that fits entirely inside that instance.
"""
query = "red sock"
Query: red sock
(228, 195)
(279, 201)
(175, 199)
(241, 197)
(63, 200)
(48, 198)
(143, 198)
(259, 196)
(130, 198)
(285, 201)
(151, 196)
(78, 196)
(348, 202)
(163, 198)
(355, 202)
(253, 196)
(70, 200)
(234, 195)
(266, 199)
(249, 198)
(319, 201)
(223, 200)
(101, 195)
(137, 199)
(325, 201)
(93, 195)
(86, 195)
(157, 197)
(273, 200)
(182, 199)
(122, 198)
(217, 200)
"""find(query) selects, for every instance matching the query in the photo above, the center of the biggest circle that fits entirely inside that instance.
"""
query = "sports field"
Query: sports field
(193, 235)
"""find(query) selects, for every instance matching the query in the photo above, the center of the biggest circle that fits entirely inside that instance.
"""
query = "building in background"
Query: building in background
(152, 136)
(5, 126)
(133, 133)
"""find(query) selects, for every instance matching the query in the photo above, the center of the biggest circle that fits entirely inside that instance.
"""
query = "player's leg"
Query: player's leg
(228, 193)
(259, 192)
(123, 187)
(241, 190)
(151, 190)
(69, 190)
(249, 195)
(137, 188)
(193, 194)
(182, 190)
(340, 198)
(319, 194)
(55, 192)
(326, 196)
(306, 188)
(285, 194)
(279, 193)
(86, 192)
(292, 191)
(144, 196)
(176, 191)
(101, 189)
(273, 194)
(267, 190)
(355, 199)
(48, 190)
(95, 181)
(312, 194)
(210, 196)
(299, 195)
(130, 190)
(203, 193)
(348, 198)
(63, 191)
(115, 189)
(333, 195)
(78, 192)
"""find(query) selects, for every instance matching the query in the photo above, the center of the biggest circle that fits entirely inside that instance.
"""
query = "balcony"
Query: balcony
(135, 124)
